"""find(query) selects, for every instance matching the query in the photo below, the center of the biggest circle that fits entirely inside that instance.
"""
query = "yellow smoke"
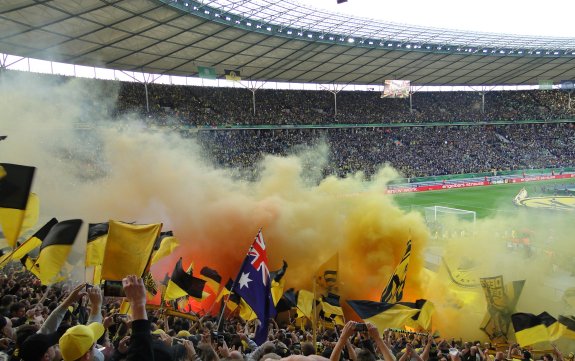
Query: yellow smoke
(95, 168)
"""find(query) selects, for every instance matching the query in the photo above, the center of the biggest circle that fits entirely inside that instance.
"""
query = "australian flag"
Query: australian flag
(253, 284)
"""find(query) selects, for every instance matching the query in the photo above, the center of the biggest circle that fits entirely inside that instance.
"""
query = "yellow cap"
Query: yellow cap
(78, 340)
(183, 333)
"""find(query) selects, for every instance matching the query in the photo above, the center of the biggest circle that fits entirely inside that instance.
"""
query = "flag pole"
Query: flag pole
(314, 316)
(233, 285)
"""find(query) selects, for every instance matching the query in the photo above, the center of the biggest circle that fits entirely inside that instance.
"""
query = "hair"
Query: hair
(365, 355)
(24, 332)
(307, 349)
(15, 307)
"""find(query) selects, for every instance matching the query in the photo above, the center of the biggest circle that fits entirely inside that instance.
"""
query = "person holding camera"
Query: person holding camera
(351, 328)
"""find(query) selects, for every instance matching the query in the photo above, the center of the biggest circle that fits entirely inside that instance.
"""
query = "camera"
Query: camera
(113, 289)
(118, 317)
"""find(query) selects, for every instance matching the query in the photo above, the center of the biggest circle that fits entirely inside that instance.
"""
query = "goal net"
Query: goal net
(446, 222)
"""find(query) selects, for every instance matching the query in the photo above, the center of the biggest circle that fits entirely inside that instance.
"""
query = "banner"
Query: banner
(435, 187)
(545, 84)
(233, 75)
(207, 72)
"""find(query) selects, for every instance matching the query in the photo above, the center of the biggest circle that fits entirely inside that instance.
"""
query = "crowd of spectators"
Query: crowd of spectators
(73, 322)
(422, 150)
(414, 151)
(210, 106)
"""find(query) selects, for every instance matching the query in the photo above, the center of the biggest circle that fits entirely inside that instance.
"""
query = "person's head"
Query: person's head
(365, 355)
(271, 356)
(236, 355)
(17, 310)
(499, 355)
(307, 349)
(547, 357)
(77, 343)
(39, 347)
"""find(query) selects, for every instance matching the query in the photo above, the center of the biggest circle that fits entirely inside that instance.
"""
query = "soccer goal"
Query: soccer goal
(439, 213)
(447, 222)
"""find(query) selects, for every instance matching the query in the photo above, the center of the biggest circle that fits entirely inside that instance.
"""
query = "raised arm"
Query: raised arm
(381, 346)
(346, 333)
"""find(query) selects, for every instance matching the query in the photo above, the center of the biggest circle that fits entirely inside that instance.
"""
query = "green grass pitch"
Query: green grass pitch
(485, 201)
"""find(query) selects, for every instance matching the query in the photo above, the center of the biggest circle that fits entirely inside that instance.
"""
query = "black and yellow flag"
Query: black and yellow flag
(29, 245)
(278, 283)
(305, 301)
(14, 192)
(164, 246)
(183, 284)
(326, 275)
(529, 329)
(567, 328)
(31, 214)
(226, 290)
(393, 292)
(330, 309)
(233, 300)
(33, 242)
(128, 249)
(212, 278)
(55, 249)
(388, 315)
(30, 265)
(288, 301)
(97, 236)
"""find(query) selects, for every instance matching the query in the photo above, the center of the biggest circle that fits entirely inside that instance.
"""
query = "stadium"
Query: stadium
(417, 179)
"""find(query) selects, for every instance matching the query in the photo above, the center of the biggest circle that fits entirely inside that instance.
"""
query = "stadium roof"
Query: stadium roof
(272, 40)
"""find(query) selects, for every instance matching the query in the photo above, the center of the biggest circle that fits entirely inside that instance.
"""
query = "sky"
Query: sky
(549, 18)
